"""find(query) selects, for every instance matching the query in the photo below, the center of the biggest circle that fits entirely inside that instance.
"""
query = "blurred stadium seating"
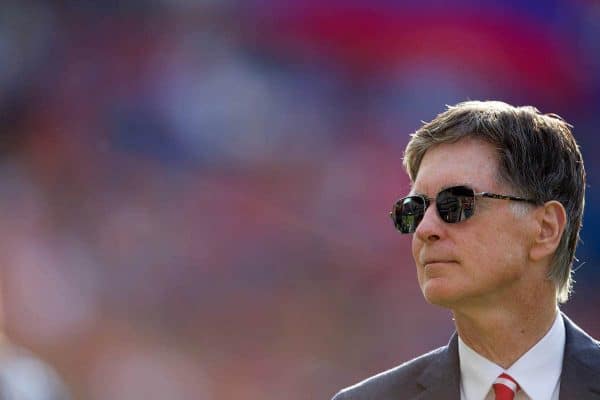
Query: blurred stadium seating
(194, 194)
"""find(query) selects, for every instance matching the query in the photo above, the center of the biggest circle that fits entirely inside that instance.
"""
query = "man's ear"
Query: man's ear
(551, 219)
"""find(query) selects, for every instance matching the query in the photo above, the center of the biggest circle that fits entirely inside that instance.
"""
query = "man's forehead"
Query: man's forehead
(468, 162)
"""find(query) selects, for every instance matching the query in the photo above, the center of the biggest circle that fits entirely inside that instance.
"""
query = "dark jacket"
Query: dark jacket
(436, 375)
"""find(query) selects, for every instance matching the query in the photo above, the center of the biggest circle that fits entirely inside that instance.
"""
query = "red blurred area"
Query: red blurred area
(195, 198)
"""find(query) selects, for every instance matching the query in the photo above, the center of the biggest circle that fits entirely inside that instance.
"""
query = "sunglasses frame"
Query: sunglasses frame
(462, 216)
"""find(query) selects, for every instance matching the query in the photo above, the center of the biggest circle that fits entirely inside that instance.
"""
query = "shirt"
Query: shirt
(537, 371)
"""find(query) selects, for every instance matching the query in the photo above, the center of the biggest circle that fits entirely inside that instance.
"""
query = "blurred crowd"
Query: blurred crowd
(194, 194)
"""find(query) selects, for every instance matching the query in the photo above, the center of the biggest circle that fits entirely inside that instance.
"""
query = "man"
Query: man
(495, 212)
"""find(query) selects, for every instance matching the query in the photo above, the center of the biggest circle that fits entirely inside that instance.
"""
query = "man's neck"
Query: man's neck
(503, 335)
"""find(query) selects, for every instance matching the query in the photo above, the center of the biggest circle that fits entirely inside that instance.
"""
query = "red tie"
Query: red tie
(505, 387)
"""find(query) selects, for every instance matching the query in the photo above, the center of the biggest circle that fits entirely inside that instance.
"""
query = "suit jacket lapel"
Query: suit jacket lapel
(580, 378)
(441, 379)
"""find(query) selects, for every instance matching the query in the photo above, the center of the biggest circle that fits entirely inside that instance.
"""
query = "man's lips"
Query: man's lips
(437, 262)
(438, 268)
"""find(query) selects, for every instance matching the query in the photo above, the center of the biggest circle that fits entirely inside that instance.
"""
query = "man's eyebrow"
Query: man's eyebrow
(455, 184)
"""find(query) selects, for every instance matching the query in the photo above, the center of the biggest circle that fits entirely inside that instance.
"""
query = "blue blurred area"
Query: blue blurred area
(199, 190)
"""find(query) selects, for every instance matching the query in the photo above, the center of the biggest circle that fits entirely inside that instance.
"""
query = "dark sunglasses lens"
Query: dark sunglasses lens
(456, 204)
(408, 212)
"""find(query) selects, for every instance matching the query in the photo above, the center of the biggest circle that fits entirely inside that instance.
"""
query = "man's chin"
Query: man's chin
(440, 295)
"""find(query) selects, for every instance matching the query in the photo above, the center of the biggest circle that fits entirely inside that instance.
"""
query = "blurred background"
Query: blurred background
(195, 194)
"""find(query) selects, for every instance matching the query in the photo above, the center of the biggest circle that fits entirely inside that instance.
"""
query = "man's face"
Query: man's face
(478, 261)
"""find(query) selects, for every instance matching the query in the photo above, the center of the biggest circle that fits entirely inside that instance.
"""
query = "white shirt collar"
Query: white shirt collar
(537, 371)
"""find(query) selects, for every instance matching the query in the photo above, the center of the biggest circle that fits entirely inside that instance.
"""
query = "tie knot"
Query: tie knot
(505, 387)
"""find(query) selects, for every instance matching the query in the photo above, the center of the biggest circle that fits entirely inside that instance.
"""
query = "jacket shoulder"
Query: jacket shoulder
(388, 384)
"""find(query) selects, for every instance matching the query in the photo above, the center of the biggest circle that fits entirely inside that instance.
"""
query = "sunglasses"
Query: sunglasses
(454, 204)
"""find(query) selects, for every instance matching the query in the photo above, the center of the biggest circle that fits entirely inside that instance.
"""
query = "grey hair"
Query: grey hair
(538, 157)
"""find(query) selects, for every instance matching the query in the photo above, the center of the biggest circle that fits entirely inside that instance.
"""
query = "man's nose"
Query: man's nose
(431, 226)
